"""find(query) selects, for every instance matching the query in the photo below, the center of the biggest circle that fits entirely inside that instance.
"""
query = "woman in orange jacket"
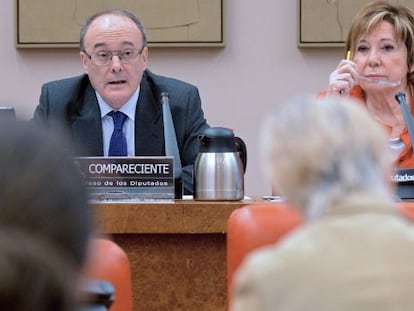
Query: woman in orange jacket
(379, 63)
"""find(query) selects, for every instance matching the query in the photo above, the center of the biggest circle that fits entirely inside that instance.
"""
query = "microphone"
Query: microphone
(404, 177)
(171, 146)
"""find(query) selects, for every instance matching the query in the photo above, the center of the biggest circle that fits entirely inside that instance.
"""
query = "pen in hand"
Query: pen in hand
(347, 57)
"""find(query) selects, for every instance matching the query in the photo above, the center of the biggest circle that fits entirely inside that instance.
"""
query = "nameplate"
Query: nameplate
(404, 179)
(130, 179)
(403, 175)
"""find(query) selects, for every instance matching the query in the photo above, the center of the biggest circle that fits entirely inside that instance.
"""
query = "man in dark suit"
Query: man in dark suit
(114, 56)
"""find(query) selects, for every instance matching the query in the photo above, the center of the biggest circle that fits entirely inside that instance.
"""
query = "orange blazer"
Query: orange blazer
(406, 158)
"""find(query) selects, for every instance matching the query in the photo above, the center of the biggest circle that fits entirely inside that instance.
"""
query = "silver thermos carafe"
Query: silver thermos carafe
(219, 167)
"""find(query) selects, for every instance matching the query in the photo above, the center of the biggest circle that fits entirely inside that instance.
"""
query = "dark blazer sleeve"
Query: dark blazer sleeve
(61, 100)
(70, 106)
(188, 118)
(194, 125)
(46, 112)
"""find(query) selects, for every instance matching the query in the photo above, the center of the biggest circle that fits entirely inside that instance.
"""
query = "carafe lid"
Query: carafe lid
(217, 139)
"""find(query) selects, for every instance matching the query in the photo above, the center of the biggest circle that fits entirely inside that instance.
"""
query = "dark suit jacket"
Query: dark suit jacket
(72, 103)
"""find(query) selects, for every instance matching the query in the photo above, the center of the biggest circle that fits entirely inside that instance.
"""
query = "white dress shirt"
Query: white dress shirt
(108, 123)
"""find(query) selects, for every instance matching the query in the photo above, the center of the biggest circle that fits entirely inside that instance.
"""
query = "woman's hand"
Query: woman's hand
(343, 79)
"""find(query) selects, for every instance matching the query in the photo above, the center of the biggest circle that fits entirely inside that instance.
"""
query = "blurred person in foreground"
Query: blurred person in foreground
(114, 56)
(43, 201)
(379, 63)
(34, 276)
(331, 161)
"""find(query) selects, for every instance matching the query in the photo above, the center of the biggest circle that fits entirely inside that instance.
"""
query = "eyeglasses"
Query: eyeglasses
(104, 58)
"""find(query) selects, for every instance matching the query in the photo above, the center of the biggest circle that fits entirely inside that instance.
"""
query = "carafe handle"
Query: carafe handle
(242, 150)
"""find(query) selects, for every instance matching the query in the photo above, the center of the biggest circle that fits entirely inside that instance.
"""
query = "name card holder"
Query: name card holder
(404, 179)
(129, 179)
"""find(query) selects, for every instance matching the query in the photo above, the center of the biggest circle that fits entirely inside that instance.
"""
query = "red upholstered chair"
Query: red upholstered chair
(407, 208)
(109, 262)
(253, 226)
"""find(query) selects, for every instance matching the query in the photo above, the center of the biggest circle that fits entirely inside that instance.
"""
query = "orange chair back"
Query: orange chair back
(253, 226)
(109, 262)
(407, 208)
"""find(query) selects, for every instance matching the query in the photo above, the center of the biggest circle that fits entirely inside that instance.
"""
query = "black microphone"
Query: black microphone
(171, 146)
(404, 177)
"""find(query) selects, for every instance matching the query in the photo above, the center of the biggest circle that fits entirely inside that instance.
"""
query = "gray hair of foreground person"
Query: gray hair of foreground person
(41, 190)
(319, 150)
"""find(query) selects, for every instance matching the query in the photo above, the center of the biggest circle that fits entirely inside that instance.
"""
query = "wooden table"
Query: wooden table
(177, 251)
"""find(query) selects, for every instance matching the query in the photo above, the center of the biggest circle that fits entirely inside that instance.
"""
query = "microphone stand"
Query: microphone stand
(400, 97)
(171, 146)
(404, 177)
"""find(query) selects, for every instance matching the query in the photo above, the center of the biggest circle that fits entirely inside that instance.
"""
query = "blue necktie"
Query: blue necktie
(118, 144)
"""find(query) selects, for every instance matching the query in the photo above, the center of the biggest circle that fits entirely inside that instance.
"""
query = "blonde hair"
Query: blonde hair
(318, 150)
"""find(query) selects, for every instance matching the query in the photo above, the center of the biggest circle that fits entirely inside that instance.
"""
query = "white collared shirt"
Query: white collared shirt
(108, 123)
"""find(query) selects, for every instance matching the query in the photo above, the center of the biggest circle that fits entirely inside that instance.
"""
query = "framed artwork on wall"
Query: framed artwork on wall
(170, 23)
(325, 23)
